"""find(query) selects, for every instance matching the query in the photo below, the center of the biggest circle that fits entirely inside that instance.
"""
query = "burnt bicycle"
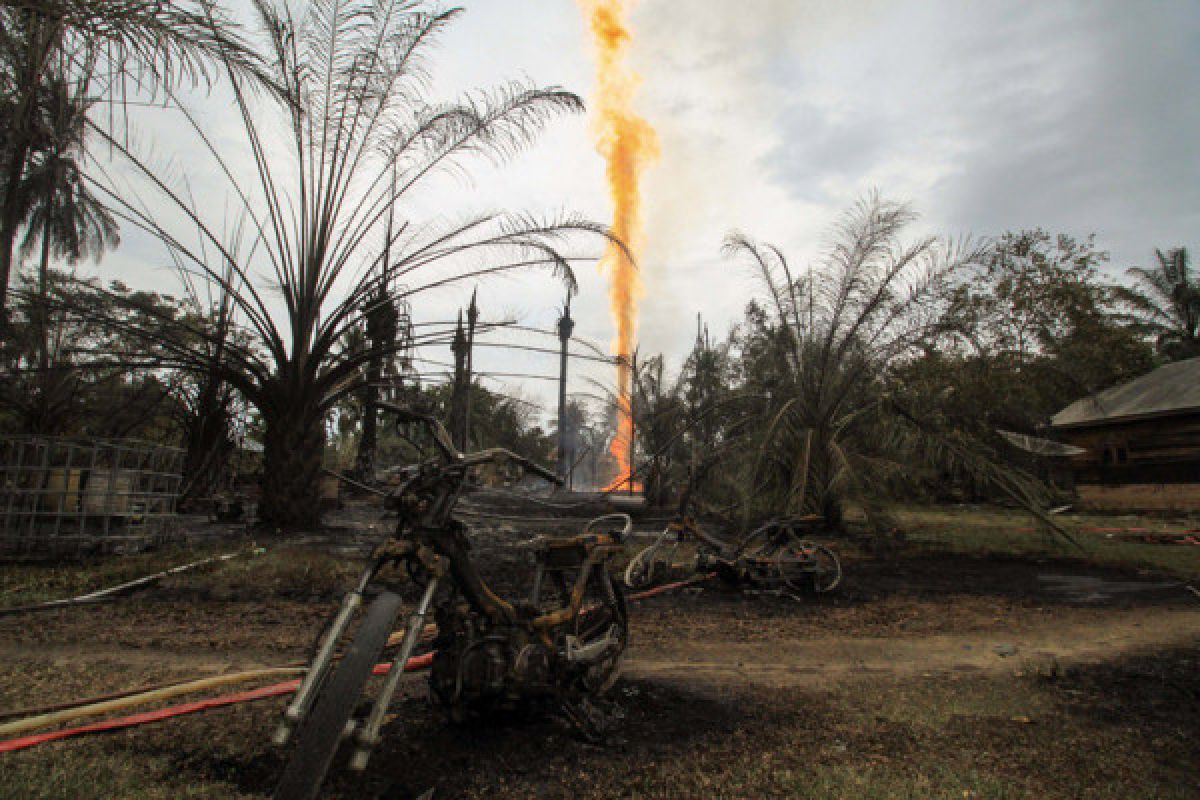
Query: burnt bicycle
(563, 641)
(777, 555)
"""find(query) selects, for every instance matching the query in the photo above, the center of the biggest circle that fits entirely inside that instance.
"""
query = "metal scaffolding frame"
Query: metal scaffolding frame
(64, 496)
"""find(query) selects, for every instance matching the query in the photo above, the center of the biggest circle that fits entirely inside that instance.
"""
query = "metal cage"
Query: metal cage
(62, 496)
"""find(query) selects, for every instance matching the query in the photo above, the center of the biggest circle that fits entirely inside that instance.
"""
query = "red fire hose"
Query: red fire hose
(414, 664)
(133, 720)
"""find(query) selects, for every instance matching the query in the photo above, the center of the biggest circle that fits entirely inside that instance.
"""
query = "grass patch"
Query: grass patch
(89, 773)
(975, 531)
(25, 583)
(282, 571)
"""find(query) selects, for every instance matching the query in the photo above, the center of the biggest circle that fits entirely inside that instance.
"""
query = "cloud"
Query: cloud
(1071, 115)
(774, 115)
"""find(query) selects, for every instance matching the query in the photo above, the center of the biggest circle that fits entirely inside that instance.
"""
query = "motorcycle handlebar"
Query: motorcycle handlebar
(500, 454)
(442, 437)
(540, 471)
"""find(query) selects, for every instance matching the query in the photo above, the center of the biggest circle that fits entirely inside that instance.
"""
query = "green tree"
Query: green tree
(1166, 299)
(1032, 327)
(660, 419)
(576, 419)
(106, 45)
(62, 213)
(97, 382)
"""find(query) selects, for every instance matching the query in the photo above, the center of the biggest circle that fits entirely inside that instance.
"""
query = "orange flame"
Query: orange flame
(628, 144)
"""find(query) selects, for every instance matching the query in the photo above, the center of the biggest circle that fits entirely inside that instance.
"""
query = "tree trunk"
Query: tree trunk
(822, 495)
(209, 446)
(368, 442)
(10, 218)
(291, 480)
(43, 310)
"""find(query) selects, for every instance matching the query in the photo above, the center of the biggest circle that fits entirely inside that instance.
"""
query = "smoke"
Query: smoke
(713, 62)
(629, 144)
(719, 80)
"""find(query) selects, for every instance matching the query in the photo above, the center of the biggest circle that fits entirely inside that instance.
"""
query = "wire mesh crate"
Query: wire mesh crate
(61, 496)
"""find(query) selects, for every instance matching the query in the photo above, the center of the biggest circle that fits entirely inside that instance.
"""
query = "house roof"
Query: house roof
(1171, 389)
(1039, 446)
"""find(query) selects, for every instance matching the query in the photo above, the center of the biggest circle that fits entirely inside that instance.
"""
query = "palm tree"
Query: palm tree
(834, 423)
(832, 332)
(316, 208)
(62, 213)
(108, 45)
(1166, 299)
(205, 400)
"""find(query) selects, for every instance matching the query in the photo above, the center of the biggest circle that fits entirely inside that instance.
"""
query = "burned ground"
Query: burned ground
(930, 674)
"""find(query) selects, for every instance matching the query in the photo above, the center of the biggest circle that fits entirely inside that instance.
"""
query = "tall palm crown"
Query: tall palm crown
(1167, 299)
(61, 210)
(358, 139)
(111, 45)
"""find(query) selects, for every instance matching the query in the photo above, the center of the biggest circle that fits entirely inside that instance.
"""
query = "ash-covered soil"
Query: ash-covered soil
(924, 675)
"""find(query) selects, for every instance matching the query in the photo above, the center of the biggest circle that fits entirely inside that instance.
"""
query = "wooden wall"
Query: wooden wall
(1145, 465)
(1156, 451)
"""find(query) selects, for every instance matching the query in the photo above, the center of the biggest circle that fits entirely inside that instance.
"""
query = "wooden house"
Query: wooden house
(1140, 442)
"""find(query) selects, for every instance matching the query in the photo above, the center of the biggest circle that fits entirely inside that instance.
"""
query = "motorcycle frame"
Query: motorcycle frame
(431, 539)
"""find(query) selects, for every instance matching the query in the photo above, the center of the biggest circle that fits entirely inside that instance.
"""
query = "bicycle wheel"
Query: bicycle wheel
(640, 572)
(762, 542)
(319, 734)
(808, 567)
(605, 604)
(828, 572)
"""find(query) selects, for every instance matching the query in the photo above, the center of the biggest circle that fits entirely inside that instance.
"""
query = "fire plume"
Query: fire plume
(629, 144)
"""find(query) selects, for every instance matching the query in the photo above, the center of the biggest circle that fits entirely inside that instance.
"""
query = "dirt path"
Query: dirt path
(202, 661)
(786, 662)
(796, 663)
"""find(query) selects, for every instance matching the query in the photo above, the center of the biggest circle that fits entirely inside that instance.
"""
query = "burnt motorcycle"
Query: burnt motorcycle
(563, 641)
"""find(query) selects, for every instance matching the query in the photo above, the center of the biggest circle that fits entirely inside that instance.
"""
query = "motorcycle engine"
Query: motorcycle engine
(479, 665)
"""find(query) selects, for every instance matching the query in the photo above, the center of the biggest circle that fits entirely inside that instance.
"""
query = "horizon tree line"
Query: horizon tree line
(294, 306)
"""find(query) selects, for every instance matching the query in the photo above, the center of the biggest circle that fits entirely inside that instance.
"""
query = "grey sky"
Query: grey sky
(775, 115)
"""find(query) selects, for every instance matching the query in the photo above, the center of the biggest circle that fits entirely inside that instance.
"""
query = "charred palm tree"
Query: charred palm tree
(385, 323)
(354, 81)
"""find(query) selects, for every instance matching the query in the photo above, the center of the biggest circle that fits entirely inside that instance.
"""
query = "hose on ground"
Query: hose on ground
(127, 700)
(112, 591)
(152, 696)
(120, 723)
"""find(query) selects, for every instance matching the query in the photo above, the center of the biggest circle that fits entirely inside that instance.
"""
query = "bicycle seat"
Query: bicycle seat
(569, 552)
